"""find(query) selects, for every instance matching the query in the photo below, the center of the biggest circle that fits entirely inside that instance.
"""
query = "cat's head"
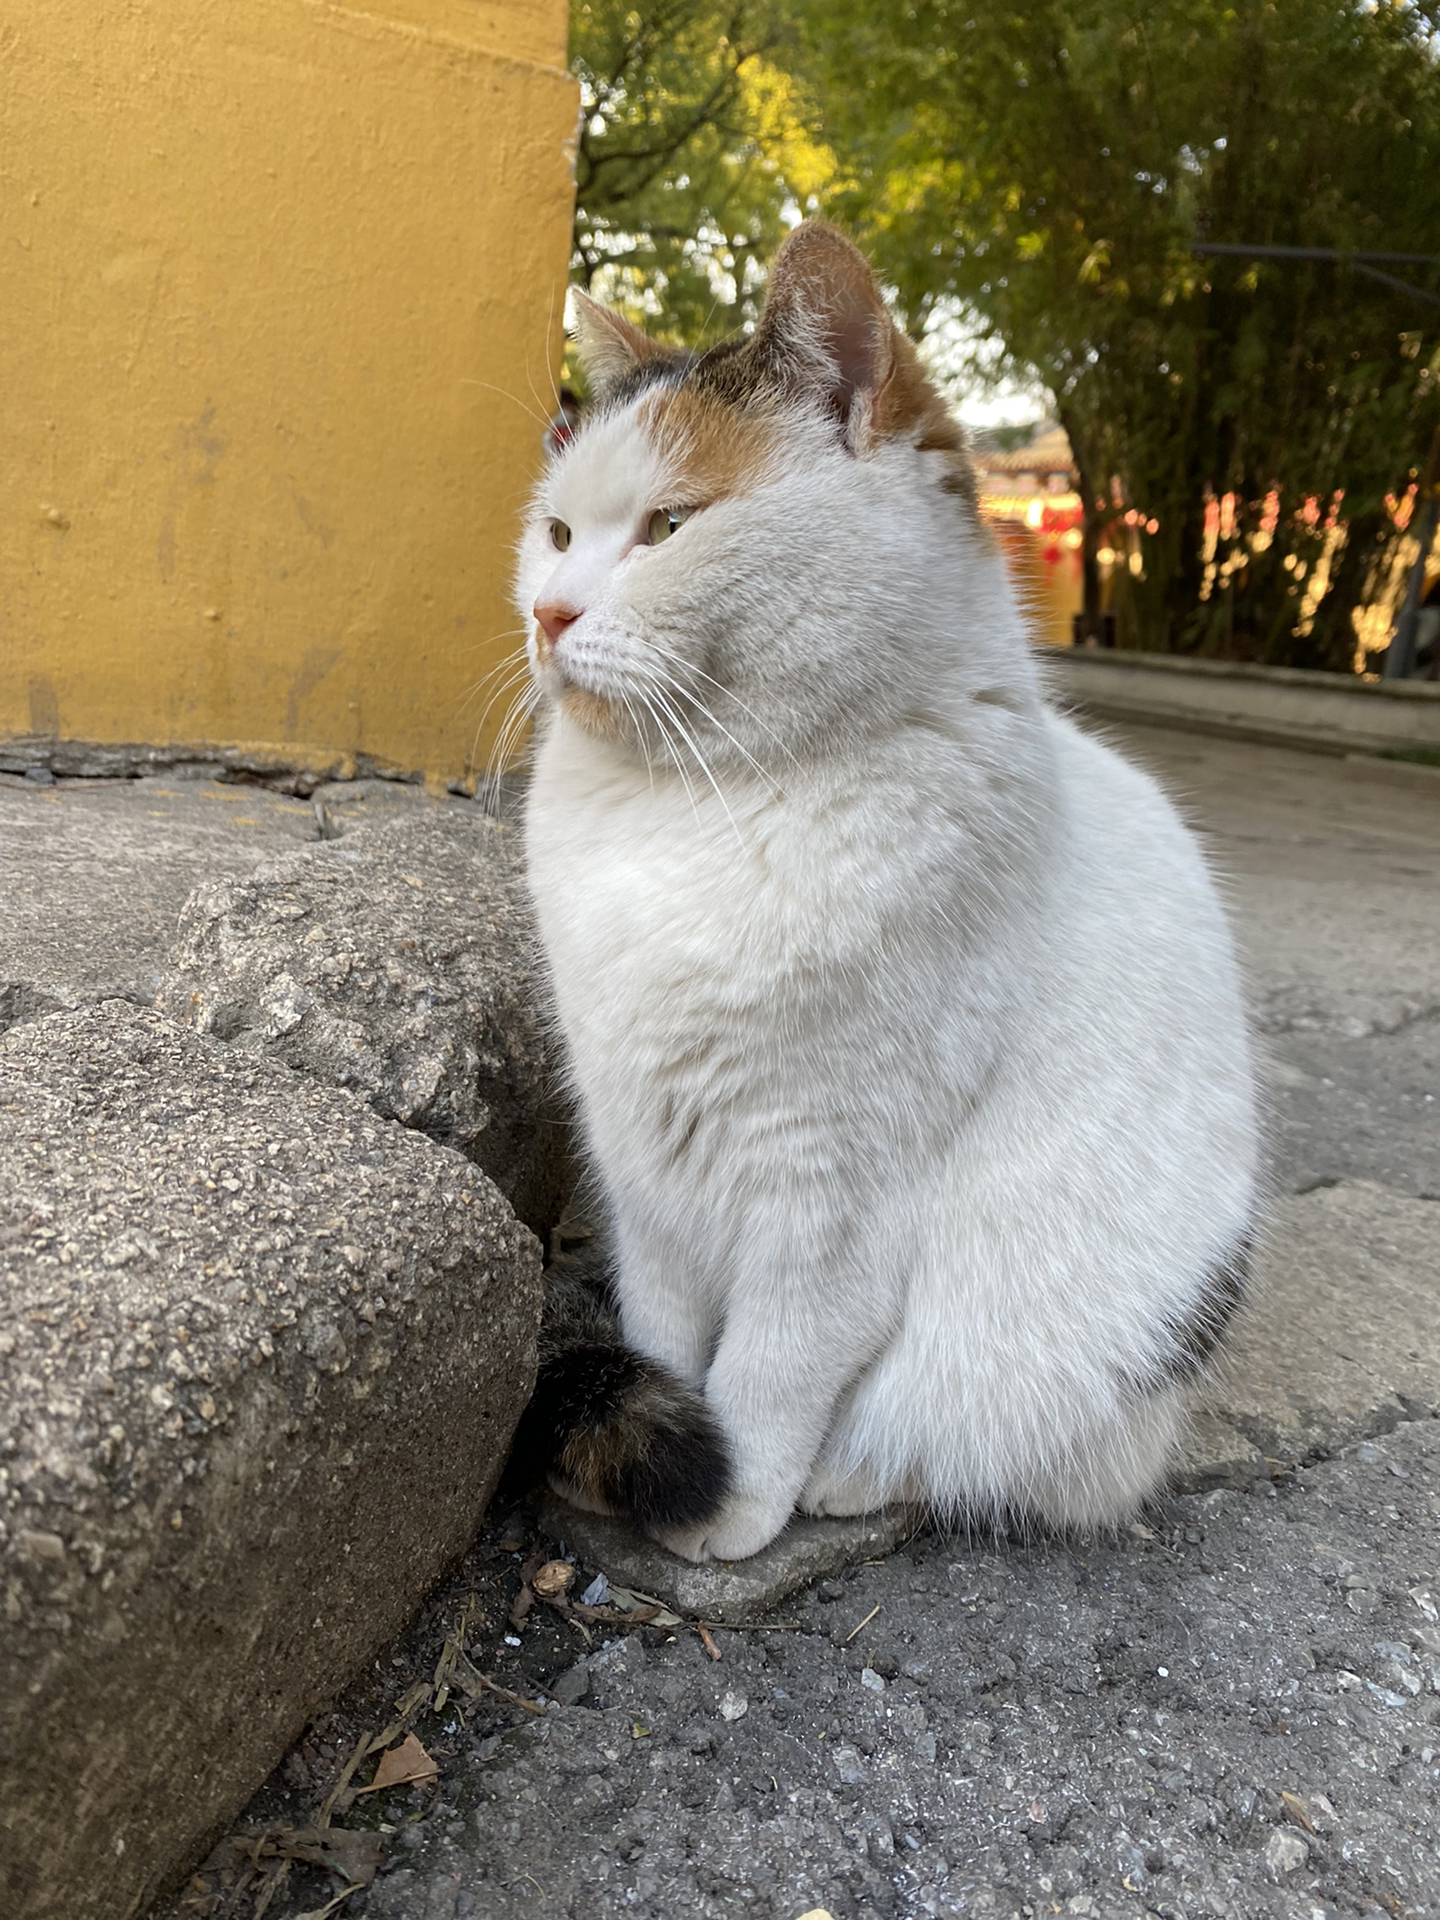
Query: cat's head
(744, 550)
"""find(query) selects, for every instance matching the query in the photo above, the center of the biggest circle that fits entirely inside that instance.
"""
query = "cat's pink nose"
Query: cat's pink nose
(554, 616)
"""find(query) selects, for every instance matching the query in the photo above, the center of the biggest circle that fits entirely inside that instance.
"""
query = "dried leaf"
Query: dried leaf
(555, 1577)
(609, 1617)
(354, 1855)
(643, 1607)
(1297, 1810)
(520, 1606)
(406, 1765)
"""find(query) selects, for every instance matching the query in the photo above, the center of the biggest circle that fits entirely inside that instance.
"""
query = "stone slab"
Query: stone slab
(1342, 1340)
(261, 1353)
(728, 1592)
(398, 961)
(94, 872)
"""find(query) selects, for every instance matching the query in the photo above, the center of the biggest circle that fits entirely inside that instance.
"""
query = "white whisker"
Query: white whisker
(498, 764)
(505, 394)
(699, 757)
(679, 660)
(640, 737)
(514, 667)
(675, 759)
(509, 633)
(687, 693)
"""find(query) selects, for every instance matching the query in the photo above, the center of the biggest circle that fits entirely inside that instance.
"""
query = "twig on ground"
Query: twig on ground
(472, 1682)
(864, 1623)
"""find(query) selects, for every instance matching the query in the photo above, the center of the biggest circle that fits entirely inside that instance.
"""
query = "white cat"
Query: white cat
(904, 1019)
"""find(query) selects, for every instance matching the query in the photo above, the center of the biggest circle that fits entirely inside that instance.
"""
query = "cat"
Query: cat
(904, 1021)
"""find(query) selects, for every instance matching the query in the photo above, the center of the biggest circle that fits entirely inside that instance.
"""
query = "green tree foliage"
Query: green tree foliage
(1047, 167)
(694, 147)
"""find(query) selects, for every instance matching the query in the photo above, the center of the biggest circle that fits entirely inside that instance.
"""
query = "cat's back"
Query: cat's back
(1127, 847)
(1137, 1008)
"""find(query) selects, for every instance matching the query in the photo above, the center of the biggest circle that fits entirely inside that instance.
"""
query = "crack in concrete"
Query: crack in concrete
(1314, 1020)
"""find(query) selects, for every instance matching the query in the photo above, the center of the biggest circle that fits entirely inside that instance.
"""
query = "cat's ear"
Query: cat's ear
(826, 331)
(824, 328)
(609, 346)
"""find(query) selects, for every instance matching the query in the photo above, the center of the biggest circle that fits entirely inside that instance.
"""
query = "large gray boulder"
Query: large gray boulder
(398, 961)
(93, 875)
(261, 1354)
(94, 872)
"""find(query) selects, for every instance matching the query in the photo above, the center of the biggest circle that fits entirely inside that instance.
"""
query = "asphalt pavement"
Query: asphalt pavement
(1232, 1708)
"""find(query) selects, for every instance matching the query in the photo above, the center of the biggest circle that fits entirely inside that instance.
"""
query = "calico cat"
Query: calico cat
(904, 1021)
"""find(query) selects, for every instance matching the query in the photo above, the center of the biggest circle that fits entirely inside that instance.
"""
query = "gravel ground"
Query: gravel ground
(1231, 1710)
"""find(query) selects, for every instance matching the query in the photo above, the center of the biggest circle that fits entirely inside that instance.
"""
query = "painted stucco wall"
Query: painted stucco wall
(281, 303)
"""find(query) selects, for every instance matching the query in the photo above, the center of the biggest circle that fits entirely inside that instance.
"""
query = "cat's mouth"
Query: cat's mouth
(595, 712)
(592, 711)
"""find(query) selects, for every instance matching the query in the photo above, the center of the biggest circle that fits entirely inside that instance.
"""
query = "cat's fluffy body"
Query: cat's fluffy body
(907, 1041)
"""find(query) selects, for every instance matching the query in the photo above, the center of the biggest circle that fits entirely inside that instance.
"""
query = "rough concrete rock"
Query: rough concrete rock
(261, 1353)
(93, 875)
(398, 961)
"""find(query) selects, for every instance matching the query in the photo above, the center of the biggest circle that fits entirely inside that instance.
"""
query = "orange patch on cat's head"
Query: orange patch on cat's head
(721, 431)
(908, 406)
(709, 448)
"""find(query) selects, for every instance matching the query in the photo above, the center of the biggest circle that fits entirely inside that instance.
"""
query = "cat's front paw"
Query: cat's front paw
(830, 1493)
(740, 1528)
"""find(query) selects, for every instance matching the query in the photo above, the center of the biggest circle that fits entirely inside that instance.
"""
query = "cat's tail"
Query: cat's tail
(609, 1429)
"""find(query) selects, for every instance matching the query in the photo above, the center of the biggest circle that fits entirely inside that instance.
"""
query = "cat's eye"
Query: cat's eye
(559, 535)
(664, 521)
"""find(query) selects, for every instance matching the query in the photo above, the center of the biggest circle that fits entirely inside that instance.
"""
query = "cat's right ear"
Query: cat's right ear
(825, 329)
(608, 345)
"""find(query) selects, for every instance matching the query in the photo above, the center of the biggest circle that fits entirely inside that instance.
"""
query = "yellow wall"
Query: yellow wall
(282, 292)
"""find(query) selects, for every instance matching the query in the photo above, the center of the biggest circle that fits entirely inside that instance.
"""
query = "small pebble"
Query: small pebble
(1285, 1852)
(733, 1706)
(570, 1687)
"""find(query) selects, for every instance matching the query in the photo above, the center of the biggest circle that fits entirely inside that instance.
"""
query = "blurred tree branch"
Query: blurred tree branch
(695, 152)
